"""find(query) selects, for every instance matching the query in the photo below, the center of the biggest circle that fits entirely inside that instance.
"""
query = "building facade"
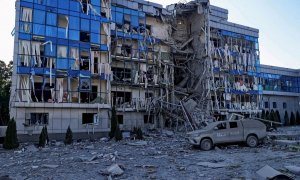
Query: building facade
(280, 89)
(176, 66)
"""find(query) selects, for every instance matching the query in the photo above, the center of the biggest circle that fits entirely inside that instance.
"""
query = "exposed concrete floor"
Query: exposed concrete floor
(161, 158)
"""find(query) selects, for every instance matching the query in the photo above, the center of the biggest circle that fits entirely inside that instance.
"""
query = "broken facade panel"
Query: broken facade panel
(76, 59)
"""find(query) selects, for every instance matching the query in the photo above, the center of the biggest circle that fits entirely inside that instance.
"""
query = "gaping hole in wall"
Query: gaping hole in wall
(84, 60)
(85, 36)
(121, 74)
(121, 99)
(148, 119)
(88, 118)
(94, 93)
(126, 50)
(85, 5)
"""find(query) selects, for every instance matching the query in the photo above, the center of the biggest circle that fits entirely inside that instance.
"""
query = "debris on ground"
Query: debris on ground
(267, 172)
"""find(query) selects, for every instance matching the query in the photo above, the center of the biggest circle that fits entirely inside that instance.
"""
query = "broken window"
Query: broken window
(26, 18)
(74, 56)
(94, 93)
(84, 60)
(74, 85)
(121, 98)
(148, 119)
(84, 5)
(284, 105)
(63, 26)
(88, 118)
(122, 74)
(37, 119)
(85, 36)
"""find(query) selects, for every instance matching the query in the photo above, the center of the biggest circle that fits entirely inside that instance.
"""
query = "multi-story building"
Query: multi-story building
(280, 89)
(76, 59)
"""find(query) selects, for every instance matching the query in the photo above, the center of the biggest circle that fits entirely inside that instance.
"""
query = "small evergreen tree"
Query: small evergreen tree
(46, 134)
(11, 139)
(43, 138)
(297, 118)
(267, 115)
(272, 115)
(114, 122)
(263, 114)
(286, 119)
(278, 116)
(69, 136)
(118, 134)
(292, 119)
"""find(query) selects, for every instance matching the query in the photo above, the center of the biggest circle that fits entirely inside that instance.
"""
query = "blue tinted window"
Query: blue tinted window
(119, 18)
(48, 51)
(62, 33)
(75, 6)
(135, 21)
(95, 2)
(85, 24)
(95, 26)
(39, 16)
(74, 22)
(51, 31)
(51, 19)
(52, 3)
(38, 29)
(63, 4)
(74, 35)
(95, 38)
(43, 2)
(62, 63)
(25, 27)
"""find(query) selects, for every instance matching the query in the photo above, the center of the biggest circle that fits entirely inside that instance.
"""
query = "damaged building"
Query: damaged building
(178, 66)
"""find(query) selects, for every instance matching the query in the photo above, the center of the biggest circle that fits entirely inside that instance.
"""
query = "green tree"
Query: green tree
(286, 119)
(292, 119)
(11, 139)
(267, 115)
(272, 115)
(114, 122)
(297, 118)
(118, 134)
(43, 138)
(5, 83)
(278, 116)
(69, 136)
(263, 114)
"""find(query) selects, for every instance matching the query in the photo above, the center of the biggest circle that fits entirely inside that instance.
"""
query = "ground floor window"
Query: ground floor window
(89, 118)
(148, 119)
(37, 119)
(120, 119)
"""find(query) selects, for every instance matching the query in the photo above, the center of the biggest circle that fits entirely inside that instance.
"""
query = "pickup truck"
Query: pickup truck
(233, 131)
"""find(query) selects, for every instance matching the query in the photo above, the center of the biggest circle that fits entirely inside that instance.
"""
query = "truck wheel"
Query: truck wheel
(206, 144)
(252, 141)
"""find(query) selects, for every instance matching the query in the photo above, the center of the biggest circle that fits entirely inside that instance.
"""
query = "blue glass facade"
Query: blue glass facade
(63, 41)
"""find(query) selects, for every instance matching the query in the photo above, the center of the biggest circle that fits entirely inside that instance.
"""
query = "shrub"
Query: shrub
(114, 122)
(297, 118)
(292, 119)
(118, 134)
(286, 119)
(11, 139)
(278, 116)
(69, 136)
(43, 137)
(263, 114)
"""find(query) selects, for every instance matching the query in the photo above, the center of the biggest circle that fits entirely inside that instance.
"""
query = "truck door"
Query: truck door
(235, 131)
(221, 133)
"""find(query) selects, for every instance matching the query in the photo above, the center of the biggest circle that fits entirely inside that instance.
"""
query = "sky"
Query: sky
(277, 20)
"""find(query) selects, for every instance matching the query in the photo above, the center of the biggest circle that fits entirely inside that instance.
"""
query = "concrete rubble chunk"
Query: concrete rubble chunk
(213, 165)
(293, 169)
(50, 166)
(32, 149)
(113, 170)
(90, 147)
(268, 172)
(168, 133)
(138, 143)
